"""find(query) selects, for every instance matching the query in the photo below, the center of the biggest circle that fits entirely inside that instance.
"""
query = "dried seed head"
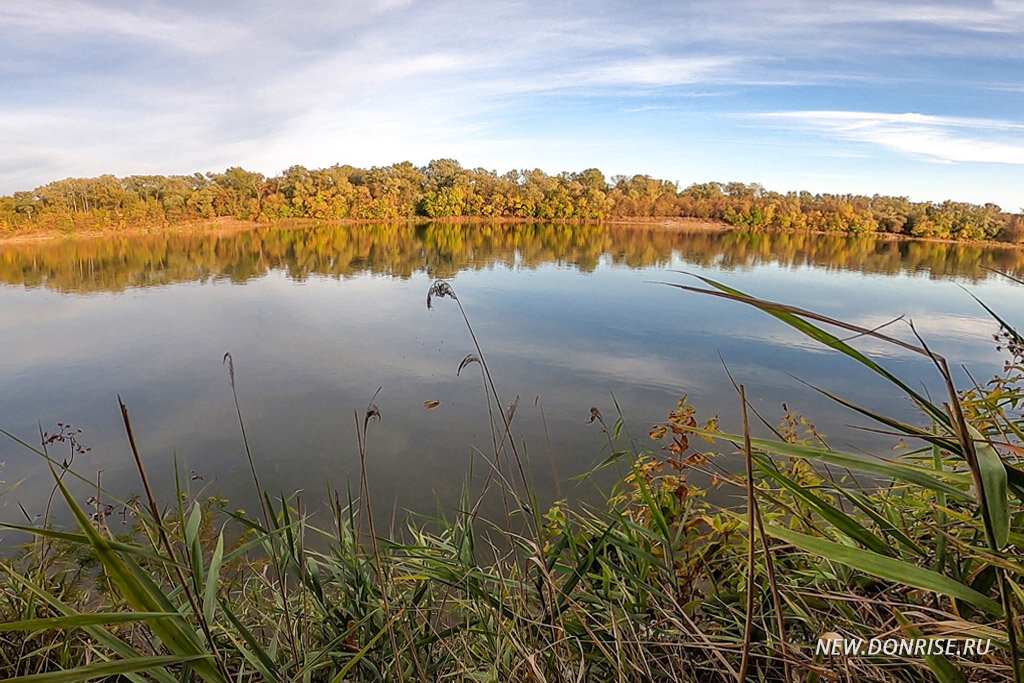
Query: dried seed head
(512, 409)
(469, 359)
(372, 413)
(440, 289)
(231, 366)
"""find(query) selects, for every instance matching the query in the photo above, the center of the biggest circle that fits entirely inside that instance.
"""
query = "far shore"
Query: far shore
(229, 226)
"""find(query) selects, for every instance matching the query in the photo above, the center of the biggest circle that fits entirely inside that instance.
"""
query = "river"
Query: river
(317, 317)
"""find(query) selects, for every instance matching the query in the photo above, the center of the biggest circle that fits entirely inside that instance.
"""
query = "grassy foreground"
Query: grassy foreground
(658, 584)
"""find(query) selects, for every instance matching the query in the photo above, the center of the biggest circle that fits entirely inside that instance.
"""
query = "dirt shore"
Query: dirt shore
(230, 226)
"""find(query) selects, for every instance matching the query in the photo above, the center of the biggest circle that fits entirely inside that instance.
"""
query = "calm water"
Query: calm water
(569, 317)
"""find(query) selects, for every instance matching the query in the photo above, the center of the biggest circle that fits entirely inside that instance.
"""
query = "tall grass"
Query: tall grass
(656, 584)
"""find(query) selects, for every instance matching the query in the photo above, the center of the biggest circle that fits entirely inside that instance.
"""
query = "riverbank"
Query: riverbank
(231, 226)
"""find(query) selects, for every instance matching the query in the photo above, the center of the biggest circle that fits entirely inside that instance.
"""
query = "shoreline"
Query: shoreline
(226, 225)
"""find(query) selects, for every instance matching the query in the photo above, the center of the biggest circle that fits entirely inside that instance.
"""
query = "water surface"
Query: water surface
(569, 317)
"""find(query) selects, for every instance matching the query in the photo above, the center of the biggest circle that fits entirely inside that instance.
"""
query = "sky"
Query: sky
(916, 99)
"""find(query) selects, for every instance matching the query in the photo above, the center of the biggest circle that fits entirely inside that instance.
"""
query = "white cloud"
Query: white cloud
(871, 23)
(179, 31)
(951, 139)
(659, 71)
(623, 368)
(956, 336)
(990, 17)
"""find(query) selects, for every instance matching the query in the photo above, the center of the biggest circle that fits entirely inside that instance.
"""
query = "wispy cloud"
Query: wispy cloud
(945, 138)
(177, 30)
(999, 16)
(808, 24)
(659, 71)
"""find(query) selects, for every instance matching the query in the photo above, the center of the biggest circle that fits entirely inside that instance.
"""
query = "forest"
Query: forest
(443, 189)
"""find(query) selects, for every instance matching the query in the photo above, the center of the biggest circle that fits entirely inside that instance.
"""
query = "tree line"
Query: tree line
(443, 188)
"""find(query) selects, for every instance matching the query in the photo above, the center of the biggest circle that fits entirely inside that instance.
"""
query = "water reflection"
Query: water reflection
(113, 263)
(317, 319)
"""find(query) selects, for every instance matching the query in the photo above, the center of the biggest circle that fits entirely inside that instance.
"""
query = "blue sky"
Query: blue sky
(922, 99)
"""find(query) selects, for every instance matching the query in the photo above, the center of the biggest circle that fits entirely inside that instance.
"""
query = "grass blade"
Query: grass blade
(839, 519)
(103, 669)
(82, 539)
(993, 480)
(256, 654)
(212, 575)
(885, 468)
(943, 669)
(886, 568)
(80, 620)
(795, 318)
